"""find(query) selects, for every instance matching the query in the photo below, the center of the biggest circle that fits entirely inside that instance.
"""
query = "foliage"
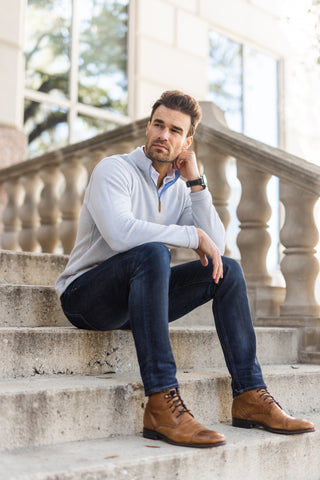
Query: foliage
(101, 64)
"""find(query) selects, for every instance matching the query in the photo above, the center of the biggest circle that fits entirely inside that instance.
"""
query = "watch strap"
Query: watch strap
(198, 181)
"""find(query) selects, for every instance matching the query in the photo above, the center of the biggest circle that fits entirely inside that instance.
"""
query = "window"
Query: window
(243, 82)
(76, 81)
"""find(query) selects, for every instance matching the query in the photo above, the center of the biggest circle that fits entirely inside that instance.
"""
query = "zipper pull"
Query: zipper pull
(159, 205)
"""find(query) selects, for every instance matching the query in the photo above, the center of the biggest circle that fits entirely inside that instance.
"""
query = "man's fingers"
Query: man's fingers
(203, 257)
(217, 271)
(204, 261)
(208, 247)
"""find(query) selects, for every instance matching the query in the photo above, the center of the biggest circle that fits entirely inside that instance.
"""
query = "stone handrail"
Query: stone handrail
(44, 197)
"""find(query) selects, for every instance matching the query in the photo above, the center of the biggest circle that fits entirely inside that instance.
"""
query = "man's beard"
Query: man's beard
(158, 155)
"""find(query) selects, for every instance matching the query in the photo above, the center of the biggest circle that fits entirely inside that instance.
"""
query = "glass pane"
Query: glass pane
(86, 127)
(46, 127)
(225, 77)
(47, 46)
(260, 96)
(103, 54)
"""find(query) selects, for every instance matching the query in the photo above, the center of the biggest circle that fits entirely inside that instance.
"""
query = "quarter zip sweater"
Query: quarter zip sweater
(123, 208)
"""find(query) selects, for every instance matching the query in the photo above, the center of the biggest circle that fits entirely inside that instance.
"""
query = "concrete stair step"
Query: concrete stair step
(25, 268)
(45, 410)
(39, 305)
(68, 350)
(248, 454)
(30, 306)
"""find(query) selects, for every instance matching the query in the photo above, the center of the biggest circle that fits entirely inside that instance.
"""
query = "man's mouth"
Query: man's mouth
(160, 145)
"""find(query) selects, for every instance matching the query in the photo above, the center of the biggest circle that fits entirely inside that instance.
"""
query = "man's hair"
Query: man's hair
(177, 100)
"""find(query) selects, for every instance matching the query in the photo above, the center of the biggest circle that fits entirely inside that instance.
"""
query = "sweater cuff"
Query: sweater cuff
(202, 195)
(193, 237)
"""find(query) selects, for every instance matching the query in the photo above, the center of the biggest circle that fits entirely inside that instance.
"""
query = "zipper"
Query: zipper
(167, 185)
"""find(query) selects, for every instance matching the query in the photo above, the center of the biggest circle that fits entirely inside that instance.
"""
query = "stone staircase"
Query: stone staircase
(71, 401)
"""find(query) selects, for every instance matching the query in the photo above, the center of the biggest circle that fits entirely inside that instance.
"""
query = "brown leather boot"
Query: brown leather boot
(257, 408)
(167, 418)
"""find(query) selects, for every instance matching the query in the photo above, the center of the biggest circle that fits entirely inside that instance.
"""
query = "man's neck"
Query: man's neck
(164, 170)
(161, 167)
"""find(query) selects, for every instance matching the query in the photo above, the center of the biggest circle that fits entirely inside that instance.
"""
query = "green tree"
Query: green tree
(102, 61)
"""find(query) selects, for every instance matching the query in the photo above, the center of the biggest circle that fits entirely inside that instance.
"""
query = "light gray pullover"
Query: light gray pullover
(122, 209)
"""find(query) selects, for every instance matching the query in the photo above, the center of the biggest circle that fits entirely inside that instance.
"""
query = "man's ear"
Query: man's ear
(147, 129)
(187, 143)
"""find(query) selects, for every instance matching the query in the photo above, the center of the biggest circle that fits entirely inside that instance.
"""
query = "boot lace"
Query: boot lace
(176, 403)
(266, 396)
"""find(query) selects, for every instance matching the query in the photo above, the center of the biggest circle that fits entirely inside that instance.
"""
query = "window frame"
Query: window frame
(244, 44)
(72, 105)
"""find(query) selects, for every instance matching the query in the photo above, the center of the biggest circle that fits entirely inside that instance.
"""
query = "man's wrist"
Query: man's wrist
(200, 181)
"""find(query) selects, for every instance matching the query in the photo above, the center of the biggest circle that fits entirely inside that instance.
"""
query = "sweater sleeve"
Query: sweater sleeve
(108, 200)
(200, 211)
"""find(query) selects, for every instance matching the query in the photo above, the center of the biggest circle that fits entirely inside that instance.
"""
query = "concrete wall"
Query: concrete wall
(12, 140)
(11, 57)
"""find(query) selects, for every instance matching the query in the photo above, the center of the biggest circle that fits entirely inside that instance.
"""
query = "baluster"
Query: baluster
(122, 146)
(299, 266)
(47, 233)
(253, 212)
(71, 200)
(91, 159)
(29, 212)
(10, 217)
(215, 163)
(214, 166)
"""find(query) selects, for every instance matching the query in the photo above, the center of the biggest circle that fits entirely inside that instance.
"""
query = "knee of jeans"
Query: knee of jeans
(232, 268)
(156, 253)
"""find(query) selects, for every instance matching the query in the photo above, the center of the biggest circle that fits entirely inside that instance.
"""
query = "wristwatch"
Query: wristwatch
(199, 181)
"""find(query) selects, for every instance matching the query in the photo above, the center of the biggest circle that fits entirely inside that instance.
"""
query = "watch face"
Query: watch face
(204, 180)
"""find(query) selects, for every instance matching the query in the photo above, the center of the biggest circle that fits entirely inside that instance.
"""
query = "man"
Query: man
(119, 276)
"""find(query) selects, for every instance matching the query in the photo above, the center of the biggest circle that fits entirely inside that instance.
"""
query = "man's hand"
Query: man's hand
(208, 248)
(187, 165)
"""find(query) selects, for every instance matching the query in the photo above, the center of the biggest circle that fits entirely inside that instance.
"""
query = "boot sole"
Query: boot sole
(236, 422)
(151, 434)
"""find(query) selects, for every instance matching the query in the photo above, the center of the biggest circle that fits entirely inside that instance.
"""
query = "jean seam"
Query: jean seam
(161, 389)
(227, 353)
(248, 389)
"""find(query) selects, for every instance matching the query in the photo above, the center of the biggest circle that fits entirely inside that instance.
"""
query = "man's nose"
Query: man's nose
(164, 134)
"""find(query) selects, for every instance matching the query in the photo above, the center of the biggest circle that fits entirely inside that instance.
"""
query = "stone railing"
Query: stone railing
(44, 194)
(44, 197)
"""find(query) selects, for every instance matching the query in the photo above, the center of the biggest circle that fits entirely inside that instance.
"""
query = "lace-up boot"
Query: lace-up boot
(257, 408)
(167, 418)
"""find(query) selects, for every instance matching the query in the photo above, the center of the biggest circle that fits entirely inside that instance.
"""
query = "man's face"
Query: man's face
(167, 135)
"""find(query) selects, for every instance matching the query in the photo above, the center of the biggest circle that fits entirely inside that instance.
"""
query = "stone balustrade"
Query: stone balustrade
(44, 194)
(44, 197)
(299, 191)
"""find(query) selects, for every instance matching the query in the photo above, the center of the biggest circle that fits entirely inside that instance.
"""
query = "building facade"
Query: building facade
(257, 59)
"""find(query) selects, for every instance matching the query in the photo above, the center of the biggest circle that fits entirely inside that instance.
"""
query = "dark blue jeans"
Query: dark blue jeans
(138, 290)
